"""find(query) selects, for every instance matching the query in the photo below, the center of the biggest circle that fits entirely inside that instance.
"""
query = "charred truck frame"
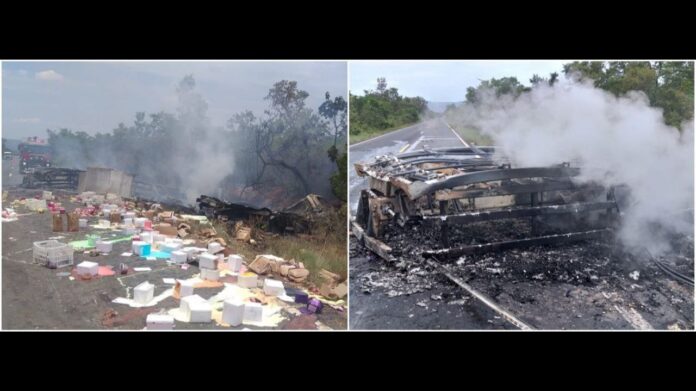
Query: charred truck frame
(446, 188)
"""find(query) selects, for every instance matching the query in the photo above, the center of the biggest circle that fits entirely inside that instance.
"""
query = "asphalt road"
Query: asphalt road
(433, 133)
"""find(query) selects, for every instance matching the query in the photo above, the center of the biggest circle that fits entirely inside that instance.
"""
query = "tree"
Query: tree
(335, 112)
(502, 86)
(667, 84)
(381, 85)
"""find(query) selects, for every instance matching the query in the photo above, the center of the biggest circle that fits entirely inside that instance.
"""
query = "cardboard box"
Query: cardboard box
(87, 268)
(143, 293)
(247, 280)
(253, 312)
(166, 229)
(159, 322)
(207, 261)
(233, 312)
(273, 287)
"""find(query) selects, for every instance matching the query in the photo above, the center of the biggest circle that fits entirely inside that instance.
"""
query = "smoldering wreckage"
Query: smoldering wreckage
(180, 247)
(531, 243)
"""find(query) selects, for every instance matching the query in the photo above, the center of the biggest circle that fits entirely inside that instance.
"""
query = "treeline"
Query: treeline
(290, 150)
(668, 84)
(382, 109)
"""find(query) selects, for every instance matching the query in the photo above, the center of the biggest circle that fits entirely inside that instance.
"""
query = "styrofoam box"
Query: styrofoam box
(214, 247)
(179, 257)
(169, 247)
(201, 313)
(159, 322)
(196, 308)
(234, 263)
(129, 215)
(106, 212)
(136, 246)
(104, 247)
(253, 312)
(146, 237)
(104, 223)
(87, 268)
(143, 293)
(273, 287)
(127, 221)
(210, 274)
(233, 312)
(140, 221)
(83, 223)
(207, 261)
(247, 280)
(186, 288)
(178, 241)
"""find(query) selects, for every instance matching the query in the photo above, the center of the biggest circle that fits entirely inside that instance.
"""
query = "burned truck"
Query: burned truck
(443, 192)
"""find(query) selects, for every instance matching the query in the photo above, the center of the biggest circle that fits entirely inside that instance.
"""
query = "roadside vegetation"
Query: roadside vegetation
(382, 110)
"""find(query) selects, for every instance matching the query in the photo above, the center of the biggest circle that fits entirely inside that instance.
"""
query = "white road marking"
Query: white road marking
(458, 136)
(413, 146)
(404, 148)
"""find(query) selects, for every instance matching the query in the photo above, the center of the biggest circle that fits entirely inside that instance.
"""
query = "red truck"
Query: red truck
(34, 153)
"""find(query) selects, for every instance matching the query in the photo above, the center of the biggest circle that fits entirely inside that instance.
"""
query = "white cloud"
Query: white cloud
(32, 120)
(49, 75)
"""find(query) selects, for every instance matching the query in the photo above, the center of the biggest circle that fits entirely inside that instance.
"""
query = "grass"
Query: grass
(316, 252)
(372, 133)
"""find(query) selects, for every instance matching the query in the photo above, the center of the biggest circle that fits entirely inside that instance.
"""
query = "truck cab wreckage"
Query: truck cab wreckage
(445, 189)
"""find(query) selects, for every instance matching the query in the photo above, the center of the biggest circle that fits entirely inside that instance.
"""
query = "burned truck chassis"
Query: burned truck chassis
(445, 188)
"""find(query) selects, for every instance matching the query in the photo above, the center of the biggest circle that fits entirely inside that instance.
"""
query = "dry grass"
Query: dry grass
(326, 248)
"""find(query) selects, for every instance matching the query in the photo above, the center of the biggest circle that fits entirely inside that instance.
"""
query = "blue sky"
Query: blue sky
(96, 96)
(443, 81)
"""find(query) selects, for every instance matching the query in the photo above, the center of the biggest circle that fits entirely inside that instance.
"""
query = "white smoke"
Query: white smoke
(617, 140)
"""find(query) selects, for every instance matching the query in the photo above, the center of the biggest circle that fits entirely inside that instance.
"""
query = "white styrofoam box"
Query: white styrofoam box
(83, 223)
(273, 287)
(53, 253)
(188, 301)
(179, 257)
(104, 247)
(140, 222)
(158, 237)
(129, 215)
(168, 247)
(143, 293)
(136, 246)
(207, 261)
(87, 268)
(127, 221)
(247, 280)
(159, 322)
(200, 312)
(234, 263)
(233, 312)
(47, 195)
(186, 288)
(146, 237)
(210, 274)
(104, 223)
(130, 230)
(190, 251)
(106, 212)
(214, 247)
(253, 312)
(178, 241)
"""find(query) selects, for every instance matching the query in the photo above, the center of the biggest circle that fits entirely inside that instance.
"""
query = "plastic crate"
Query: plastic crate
(53, 254)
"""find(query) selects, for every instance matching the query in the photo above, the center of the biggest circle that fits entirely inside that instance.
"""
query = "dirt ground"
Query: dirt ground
(587, 285)
(35, 297)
